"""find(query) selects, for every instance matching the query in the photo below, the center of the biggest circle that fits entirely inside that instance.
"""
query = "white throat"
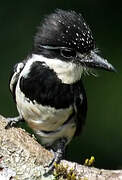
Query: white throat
(67, 72)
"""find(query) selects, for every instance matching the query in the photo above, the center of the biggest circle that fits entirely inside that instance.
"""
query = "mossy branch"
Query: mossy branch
(23, 158)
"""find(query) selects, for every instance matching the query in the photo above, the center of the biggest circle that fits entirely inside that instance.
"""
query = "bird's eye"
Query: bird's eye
(68, 53)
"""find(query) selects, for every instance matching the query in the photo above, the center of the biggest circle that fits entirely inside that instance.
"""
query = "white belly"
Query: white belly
(41, 117)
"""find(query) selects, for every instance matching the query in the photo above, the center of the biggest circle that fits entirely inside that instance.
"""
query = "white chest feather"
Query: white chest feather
(67, 72)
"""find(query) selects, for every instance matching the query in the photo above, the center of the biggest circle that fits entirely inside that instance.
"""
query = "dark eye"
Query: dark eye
(68, 53)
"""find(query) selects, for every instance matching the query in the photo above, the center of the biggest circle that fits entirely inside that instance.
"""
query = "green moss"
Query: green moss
(62, 173)
(89, 162)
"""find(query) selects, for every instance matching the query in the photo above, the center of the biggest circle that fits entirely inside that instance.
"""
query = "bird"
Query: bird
(47, 85)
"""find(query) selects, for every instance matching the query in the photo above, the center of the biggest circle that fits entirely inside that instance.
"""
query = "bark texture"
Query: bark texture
(23, 158)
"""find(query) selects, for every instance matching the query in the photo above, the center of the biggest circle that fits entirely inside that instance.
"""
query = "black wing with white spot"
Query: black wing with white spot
(81, 110)
(14, 77)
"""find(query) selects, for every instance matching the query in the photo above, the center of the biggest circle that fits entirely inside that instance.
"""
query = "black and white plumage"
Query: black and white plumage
(47, 86)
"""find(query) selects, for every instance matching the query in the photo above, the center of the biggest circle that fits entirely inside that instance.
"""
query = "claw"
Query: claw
(57, 157)
(12, 122)
(58, 151)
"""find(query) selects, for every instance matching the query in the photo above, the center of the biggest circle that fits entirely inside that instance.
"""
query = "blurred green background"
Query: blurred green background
(102, 136)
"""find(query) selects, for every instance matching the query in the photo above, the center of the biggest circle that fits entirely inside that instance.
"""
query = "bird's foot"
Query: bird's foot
(58, 151)
(12, 122)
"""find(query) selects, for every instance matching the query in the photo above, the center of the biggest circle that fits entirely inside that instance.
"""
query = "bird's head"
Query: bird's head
(65, 35)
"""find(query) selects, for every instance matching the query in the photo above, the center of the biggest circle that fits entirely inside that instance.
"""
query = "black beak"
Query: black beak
(95, 61)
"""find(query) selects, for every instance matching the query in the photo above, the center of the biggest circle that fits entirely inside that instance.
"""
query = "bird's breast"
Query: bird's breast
(41, 117)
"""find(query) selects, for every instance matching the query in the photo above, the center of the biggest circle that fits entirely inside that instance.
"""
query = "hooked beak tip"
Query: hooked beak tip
(112, 68)
(101, 63)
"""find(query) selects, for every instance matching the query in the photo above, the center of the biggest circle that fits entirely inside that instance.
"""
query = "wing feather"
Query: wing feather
(15, 76)
(81, 108)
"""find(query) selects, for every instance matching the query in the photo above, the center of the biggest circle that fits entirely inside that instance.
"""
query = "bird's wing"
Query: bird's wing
(14, 77)
(81, 109)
